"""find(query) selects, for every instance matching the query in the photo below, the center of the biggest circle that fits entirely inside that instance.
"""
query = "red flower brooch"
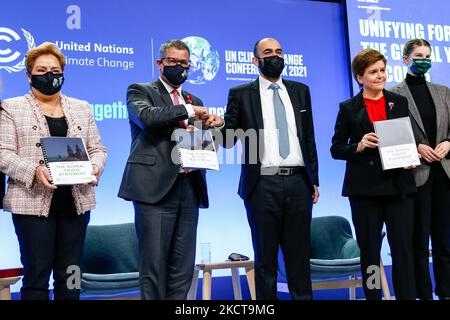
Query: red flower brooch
(188, 99)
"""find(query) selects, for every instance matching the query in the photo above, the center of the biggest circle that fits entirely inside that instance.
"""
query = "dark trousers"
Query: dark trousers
(50, 244)
(368, 215)
(167, 233)
(432, 217)
(279, 213)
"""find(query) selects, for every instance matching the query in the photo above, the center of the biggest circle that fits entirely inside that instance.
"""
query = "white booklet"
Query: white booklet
(196, 149)
(67, 160)
(397, 145)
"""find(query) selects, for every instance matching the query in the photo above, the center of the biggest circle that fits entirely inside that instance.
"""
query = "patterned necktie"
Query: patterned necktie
(281, 121)
(176, 102)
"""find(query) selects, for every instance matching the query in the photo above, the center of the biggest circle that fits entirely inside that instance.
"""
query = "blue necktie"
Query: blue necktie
(280, 118)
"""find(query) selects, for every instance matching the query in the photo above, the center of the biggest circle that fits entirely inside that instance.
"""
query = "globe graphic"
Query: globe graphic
(204, 60)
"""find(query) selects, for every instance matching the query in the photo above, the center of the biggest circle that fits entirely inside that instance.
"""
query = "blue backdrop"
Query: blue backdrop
(386, 25)
(110, 44)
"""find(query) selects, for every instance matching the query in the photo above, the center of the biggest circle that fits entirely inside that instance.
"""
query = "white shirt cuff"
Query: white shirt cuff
(190, 110)
(220, 127)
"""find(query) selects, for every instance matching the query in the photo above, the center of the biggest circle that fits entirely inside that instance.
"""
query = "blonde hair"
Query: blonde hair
(44, 49)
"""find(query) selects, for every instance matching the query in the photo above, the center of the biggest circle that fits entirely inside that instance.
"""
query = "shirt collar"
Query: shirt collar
(169, 88)
(265, 84)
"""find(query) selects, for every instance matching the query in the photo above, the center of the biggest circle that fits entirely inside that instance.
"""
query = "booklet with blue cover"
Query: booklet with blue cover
(67, 160)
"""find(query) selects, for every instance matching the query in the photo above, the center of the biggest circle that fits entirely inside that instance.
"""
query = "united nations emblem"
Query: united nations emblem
(7, 56)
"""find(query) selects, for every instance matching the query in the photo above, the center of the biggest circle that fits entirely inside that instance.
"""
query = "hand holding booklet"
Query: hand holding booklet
(67, 160)
(196, 149)
(396, 144)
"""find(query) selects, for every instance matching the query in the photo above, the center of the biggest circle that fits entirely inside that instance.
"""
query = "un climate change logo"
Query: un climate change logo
(7, 56)
(205, 61)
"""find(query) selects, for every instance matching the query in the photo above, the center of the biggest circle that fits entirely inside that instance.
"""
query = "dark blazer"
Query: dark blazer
(150, 172)
(244, 112)
(364, 175)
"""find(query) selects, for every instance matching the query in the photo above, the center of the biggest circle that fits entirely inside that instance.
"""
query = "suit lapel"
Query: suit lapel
(362, 116)
(40, 117)
(165, 96)
(413, 110)
(186, 96)
(256, 104)
(391, 110)
(296, 106)
(440, 118)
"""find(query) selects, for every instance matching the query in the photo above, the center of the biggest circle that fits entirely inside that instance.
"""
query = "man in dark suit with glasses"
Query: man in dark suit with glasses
(165, 197)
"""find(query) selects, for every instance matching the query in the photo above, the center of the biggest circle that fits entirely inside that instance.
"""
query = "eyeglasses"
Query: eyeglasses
(171, 62)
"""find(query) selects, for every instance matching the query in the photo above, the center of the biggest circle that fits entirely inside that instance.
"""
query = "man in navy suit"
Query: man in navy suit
(279, 178)
(166, 199)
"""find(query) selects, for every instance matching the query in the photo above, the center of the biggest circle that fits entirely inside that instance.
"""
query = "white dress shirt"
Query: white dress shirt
(271, 156)
(181, 100)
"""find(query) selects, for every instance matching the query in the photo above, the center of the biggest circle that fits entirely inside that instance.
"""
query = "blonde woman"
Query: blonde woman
(50, 222)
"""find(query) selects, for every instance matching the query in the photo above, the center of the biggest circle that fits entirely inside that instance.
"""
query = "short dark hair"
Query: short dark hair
(412, 44)
(180, 45)
(364, 59)
(255, 47)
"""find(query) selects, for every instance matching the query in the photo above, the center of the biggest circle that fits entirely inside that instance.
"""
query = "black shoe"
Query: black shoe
(237, 257)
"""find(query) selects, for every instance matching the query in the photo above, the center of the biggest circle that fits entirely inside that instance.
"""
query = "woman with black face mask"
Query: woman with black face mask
(429, 105)
(50, 222)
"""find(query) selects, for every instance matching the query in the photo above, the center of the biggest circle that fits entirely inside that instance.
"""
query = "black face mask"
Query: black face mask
(176, 74)
(272, 66)
(48, 83)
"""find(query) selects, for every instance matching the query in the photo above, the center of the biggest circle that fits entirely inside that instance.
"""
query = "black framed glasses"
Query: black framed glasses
(171, 62)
